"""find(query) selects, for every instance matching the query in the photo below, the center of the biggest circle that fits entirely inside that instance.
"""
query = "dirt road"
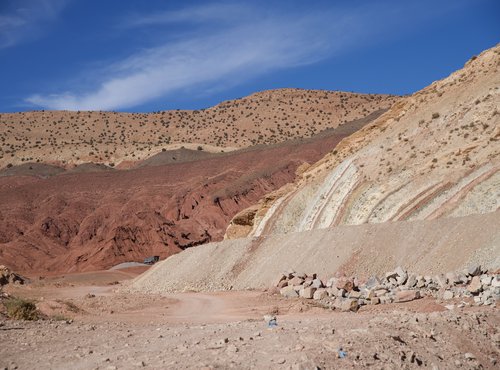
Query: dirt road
(110, 330)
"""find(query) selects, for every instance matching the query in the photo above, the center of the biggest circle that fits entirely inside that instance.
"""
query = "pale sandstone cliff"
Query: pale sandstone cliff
(433, 154)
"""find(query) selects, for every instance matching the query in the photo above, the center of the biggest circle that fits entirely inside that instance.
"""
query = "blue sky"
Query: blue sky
(132, 55)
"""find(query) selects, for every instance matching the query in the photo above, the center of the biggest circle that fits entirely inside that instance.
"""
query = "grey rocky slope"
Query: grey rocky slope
(423, 247)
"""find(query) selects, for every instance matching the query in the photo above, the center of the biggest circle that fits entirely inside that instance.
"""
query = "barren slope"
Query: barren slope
(107, 137)
(88, 218)
(423, 247)
(433, 154)
(431, 163)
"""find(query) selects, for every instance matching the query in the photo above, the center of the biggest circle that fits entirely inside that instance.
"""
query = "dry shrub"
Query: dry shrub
(21, 309)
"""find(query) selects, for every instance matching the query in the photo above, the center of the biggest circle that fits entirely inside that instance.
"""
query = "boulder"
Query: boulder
(385, 299)
(474, 270)
(486, 279)
(307, 282)
(402, 275)
(296, 281)
(475, 285)
(420, 282)
(282, 284)
(320, 293)
(452, 278)
(332, 292)
(391, 276)
(346, 284)
(441, 280)
(332, 282)
(279, 279)
(370, 294)
(307, 293)
(495, 283)
(349, 305)
(372, 282)
(462, 279)
(317, 283)
(486, 297)
(354, 294)
(380, 292)
(375, 300)
(398, 276)
(289, 292)
(448, 294)
(407, 295)
(412, 281)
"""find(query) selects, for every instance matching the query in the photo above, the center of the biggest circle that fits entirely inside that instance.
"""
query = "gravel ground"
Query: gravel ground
(226, 330)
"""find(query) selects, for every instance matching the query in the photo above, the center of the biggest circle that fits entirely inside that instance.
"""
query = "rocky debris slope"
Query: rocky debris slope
(266, 117)
(434, 154)
(347, 294)
(424, 247)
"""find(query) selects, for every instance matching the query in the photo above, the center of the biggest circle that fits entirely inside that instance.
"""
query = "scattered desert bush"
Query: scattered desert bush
(21, 309)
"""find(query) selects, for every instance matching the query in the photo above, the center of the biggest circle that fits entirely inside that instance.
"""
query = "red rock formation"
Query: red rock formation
(85, 221)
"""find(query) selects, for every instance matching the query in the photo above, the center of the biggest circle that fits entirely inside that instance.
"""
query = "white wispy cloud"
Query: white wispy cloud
(21, 20)
(220, 12)
(231, 45)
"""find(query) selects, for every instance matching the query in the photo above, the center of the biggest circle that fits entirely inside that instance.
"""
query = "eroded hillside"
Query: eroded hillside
(434, 154)
(90, 217)
(266, 117)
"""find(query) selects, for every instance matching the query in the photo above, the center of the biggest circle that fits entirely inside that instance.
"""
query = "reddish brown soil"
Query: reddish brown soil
(93, 220)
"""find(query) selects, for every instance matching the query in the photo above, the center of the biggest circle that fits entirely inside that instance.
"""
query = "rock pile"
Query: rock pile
(9, 277)
(348, 294)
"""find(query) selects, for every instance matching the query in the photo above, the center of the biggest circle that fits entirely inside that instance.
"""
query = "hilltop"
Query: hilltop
(268, 117)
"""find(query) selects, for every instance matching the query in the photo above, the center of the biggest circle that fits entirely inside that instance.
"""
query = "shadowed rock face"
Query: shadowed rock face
(81, 220)
(434, 154)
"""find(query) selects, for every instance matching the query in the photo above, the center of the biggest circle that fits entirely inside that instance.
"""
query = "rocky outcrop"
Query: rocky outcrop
(9, 277)
(434, 154)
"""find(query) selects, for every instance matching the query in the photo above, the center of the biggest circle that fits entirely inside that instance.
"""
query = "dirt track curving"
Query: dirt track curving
(226, 330)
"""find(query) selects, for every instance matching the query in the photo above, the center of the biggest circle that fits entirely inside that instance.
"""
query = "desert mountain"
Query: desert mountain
(91, 216)
(434, 154)
(266, 117)
(417, 187)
